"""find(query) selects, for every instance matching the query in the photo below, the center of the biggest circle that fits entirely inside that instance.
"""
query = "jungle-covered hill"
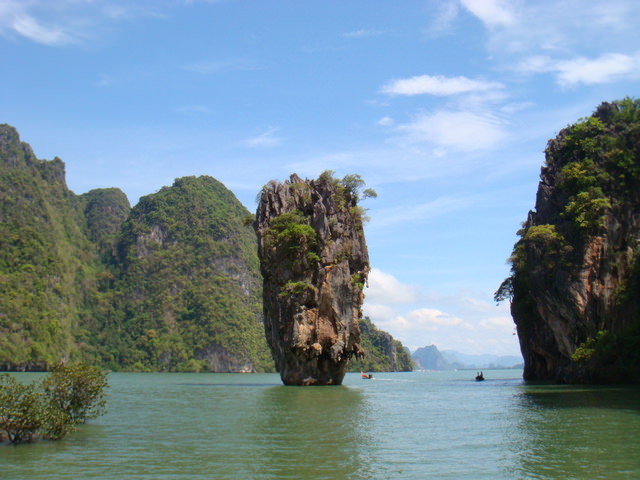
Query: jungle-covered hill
(172, 284)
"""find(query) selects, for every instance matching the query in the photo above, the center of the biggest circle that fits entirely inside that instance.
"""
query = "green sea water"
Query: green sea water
(419, 425)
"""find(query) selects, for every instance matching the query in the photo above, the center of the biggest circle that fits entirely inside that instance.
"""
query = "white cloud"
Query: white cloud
(493, 12)
(266, 139)
(381, 313)
(458, 130)
(438, 85)
(384, 288)
(606, 68)
(431, 318)
(386, 121)
(418, 318)
(30, 28)
(515, 26)
(498, 323)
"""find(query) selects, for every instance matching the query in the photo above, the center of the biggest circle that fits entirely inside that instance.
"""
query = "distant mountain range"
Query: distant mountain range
(430, 358)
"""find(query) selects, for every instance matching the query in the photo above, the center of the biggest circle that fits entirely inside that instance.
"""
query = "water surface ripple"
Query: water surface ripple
(418, 425)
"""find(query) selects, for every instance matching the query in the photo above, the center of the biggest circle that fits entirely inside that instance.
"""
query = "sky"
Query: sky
(443, 107)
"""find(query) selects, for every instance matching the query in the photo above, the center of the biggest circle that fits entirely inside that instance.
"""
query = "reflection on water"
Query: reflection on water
(310, 433)
(566, 432)
(405, 426)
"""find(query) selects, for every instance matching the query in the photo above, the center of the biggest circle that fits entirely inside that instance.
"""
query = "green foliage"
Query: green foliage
(295, 288)
(349, 190)
(47, 263)
(547, 240)
(382, 352)
(587, 208)
(357, 281)
(291, 234)
(77, 390)
(597, 168)
(601, 345)
(599, 159)
(505, 291)
(20, 417)
(189, 281)
(50, 409)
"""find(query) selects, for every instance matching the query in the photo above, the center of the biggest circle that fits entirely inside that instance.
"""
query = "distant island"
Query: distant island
(430, 358)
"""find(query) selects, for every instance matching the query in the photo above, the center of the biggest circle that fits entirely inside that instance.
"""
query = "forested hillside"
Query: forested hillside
(172, 284)
(382, 352)
(48, 266)
(188, 282)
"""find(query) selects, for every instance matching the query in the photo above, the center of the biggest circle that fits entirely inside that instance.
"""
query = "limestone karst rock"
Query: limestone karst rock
(315, 263)
(576, 268)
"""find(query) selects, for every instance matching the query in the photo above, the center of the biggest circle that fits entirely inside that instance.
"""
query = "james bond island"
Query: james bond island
(314, 262)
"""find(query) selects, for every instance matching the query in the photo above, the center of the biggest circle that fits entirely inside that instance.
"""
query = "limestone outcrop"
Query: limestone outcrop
(314, 263)
(575, 279)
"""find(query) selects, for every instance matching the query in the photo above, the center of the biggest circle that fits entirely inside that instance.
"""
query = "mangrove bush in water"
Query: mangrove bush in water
(49, 409)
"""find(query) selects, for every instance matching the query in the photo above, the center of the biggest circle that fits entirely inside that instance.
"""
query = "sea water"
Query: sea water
(418, 425)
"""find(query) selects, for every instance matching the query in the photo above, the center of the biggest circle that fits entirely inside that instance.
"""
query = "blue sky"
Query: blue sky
(444, 107)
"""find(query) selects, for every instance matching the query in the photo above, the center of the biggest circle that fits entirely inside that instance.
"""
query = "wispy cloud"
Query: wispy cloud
(516, 26)
(493, 12)
(456, 130)
(438, 85)
(364, 32)
(445, 13)
(63, 22)
(266, 139)
(385, 122)
(208, 67)
(32, 29)
(606, 68)
(193, 109)
(420, 212)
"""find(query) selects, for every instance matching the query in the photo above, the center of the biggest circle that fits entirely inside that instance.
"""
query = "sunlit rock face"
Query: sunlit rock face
(575, 279)
(314, 262)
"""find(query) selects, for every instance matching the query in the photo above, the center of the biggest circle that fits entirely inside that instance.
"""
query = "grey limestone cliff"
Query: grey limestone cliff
(314, 262)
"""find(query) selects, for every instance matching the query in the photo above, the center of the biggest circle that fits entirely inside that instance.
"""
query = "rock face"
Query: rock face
(576, 269)
(314, 263)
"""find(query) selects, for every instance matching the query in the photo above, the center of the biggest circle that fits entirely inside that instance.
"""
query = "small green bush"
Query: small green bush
(50, 409)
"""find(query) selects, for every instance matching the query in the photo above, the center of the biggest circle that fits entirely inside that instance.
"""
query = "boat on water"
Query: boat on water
(366, 376)
(479, 377)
